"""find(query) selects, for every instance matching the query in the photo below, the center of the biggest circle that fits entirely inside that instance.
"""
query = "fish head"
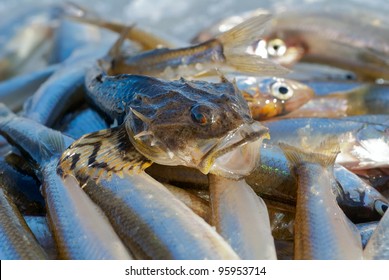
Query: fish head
(272, 97)
(283, 50)
(197, 124)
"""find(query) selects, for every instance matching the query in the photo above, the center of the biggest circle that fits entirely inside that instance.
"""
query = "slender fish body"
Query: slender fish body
(197, 204)
(15, 91)
(146, 39)
(322, 231)
(21, 187)
(365, 99)
(71, 36)
(79, 227)
(66, 84)
(362, 145)
(153, 223)
(336, 39)
(241, 217)
(40, 228)
(16, 240)
(378, 246)
(226, 51)
(24, 34)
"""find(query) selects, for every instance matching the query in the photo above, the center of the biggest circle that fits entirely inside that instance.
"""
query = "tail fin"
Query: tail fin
(52, 143)
(147, 40)
(324, 154)
(36, 140)
(236, 41)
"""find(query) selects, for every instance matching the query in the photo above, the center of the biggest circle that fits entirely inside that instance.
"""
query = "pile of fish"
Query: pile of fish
(265, 137)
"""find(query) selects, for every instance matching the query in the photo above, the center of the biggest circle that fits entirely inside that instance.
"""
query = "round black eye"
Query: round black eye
(198, 115)
(283, 90)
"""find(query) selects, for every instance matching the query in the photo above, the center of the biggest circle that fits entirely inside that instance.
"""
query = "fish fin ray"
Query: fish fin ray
(235, 42)
(104, 152)
(52, 143)
(324, 154)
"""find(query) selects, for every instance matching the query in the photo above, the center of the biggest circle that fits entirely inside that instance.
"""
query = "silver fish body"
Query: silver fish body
(153, 223)
(66, 84)
(80, 229)
(16, 239)
(322, 231)
(15, 91)
(241, 217)
(378, 246)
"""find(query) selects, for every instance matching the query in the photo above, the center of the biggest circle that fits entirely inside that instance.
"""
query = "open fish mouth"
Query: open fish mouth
(237, 154)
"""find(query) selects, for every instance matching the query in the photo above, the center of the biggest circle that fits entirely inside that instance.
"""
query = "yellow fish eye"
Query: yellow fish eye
(276, 47)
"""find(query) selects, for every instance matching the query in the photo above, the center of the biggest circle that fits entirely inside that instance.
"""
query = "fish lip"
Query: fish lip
(252, 132)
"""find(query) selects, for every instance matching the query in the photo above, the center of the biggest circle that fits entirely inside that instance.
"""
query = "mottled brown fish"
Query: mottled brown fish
(197, 124)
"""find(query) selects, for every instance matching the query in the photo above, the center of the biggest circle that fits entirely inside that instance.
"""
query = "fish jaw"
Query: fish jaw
(235, 155)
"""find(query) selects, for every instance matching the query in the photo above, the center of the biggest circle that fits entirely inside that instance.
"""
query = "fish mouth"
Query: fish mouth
(237, 154)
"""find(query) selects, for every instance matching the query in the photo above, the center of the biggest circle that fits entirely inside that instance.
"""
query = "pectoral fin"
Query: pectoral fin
(102, 153)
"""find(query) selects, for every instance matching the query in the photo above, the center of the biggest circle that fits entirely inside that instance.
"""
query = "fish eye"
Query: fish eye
(281, 90)
(380, 206)
(199, 114)
(276, 47)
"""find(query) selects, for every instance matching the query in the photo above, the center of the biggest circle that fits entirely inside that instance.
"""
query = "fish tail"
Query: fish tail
(115, 50)
(52, 143)
(324, 154)
(236, 41)
(145, 39)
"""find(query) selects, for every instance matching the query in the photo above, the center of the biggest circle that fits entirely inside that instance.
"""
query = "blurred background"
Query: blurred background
(183, 19)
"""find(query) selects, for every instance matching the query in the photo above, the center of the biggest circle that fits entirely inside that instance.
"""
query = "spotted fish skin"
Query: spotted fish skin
(103, 152)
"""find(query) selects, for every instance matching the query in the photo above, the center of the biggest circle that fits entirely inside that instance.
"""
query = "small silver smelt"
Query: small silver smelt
(15, 91)
(194, 202)
(378, 246)
(16, 240)
(80, 229)
(321, 230)
(64, 88)
(153, 223)
(241, 217)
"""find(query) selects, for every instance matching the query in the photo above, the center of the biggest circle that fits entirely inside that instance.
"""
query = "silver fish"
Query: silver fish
(241, 217)
(152, 222)
(80, 228)
(16, 239)
(378, 246)
(322, 231)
